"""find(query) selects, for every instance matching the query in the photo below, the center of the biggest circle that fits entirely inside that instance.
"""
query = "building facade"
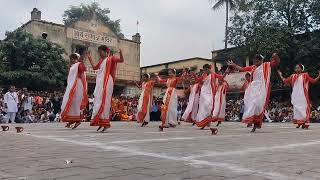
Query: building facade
(235, 80)
(195, 63)
(90, 34)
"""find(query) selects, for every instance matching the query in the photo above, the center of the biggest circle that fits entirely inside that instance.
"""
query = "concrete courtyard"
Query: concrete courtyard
(128, 152)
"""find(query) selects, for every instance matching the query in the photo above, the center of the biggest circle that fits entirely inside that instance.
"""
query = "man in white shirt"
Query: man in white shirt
(11, 104)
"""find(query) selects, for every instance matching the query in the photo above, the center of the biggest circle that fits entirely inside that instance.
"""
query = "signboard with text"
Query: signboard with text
(91, 37)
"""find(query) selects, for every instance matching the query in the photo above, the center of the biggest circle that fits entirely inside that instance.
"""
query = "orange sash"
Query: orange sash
(258, 118)
(222, 94)
(145, 103)
(306, 93)
(64, 114)
(97, 121)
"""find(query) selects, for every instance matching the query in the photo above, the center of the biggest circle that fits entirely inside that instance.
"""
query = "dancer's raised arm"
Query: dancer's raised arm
(234, 65)
(160, 80)
(120, 59)
(94, 67)
(311, 80)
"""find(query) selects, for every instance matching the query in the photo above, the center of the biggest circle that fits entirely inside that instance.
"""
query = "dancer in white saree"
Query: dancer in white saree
(300, 95)
(207, 94)
(106, 71)
(75, 98)
(145, 100)
(256, 96)
(190, 114)
(169, 112)
(219, 111)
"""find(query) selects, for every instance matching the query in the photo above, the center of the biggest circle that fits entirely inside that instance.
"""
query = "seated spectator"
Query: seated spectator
(27, 118)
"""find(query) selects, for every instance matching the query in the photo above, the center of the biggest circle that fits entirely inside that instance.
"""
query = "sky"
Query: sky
(170, 29)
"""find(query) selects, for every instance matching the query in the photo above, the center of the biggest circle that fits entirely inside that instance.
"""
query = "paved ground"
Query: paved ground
(278, 151)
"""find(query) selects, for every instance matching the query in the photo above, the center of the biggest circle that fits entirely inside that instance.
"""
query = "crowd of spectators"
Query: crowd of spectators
(42, 106)
(33, 106)
(278, 110)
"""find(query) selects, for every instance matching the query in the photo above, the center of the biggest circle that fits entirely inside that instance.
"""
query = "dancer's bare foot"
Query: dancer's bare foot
(104, 129)
(298, 126)
(76, 125)
(144, 124)
(254, 129)
(68, 125)
(258, 126)
(99, 128)
(214, 131)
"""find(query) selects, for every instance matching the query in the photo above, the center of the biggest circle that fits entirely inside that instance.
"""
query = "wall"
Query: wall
(127, 72)
(130, 70)
(152, 69)
(56, 33)
(177, 65)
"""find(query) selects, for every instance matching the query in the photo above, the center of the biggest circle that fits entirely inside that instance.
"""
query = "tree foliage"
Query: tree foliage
(230, 5)
(85, 12)
(30, 62)
(290, 27)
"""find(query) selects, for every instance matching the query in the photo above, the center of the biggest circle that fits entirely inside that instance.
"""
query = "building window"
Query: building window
(80, 49)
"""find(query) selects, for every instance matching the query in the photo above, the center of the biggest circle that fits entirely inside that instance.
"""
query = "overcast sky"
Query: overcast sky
(170, 29)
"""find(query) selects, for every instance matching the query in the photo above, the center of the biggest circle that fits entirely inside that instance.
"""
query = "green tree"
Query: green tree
(230, 4)
(315, 11)
(290, 27)
(85, 12)
(31, 62)
(269, 25)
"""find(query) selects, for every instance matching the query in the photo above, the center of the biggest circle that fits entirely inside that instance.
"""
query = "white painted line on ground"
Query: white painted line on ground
(258, 149)
(152, 140)
(234, 168)
(240, 169)
(209, 137)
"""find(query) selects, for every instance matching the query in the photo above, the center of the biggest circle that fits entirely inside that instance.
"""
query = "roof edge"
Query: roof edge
(209, 60)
